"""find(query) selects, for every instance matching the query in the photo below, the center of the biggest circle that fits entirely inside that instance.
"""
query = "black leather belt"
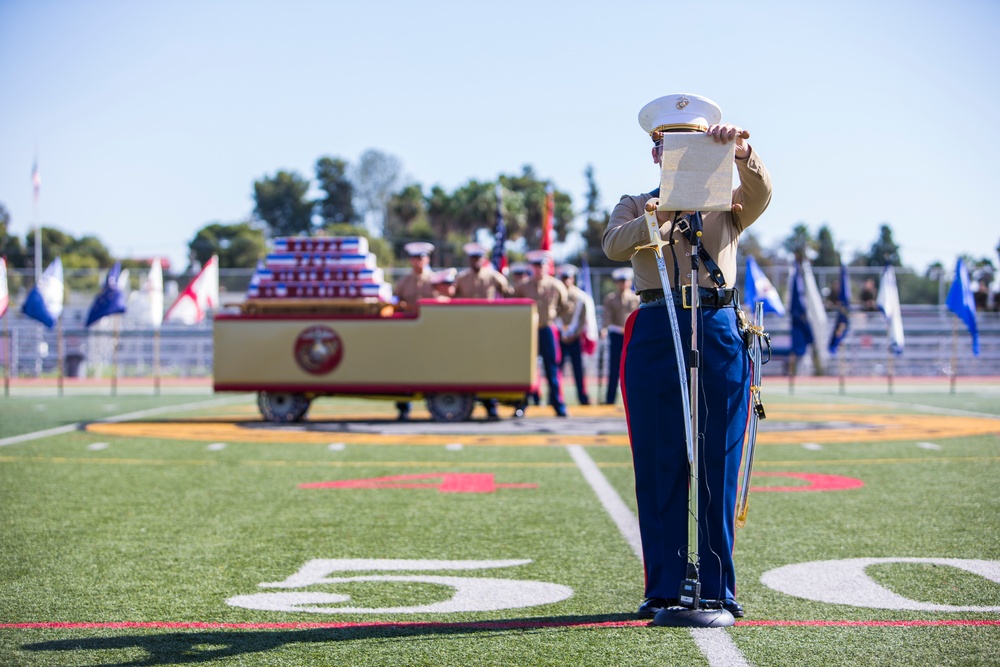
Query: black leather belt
(707, 297)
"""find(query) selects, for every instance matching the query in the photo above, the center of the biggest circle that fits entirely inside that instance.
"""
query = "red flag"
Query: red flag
(201, 295)
(547, 219)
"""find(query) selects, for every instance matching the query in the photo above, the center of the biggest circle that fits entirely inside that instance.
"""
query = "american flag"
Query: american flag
(36, 179)
(500, 235)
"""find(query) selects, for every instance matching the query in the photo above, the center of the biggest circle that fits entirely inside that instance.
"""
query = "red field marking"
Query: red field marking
(817, 482)
(478, 625)
(451, 482)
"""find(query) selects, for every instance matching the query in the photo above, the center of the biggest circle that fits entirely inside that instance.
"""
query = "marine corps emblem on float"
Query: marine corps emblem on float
(318, 350)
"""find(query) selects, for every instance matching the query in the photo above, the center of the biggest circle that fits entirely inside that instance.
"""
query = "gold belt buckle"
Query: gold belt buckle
(685, 299)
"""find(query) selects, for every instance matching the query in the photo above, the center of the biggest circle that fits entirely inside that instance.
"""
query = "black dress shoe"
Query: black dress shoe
(733, 607)
(650, 606)
(729, 604)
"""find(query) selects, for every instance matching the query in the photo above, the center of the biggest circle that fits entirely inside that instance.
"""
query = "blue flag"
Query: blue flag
(111, 299)
(843, 322)
(802, 333)
(961, 302)
(45, 300)
(756, 287)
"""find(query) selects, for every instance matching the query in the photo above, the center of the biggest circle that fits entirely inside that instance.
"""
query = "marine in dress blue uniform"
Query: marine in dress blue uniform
(650, 377)
(552, 300)
(621, 302)
(572, 325)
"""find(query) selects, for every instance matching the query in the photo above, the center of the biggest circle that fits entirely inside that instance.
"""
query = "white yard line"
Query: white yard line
(714, 643)
(612, 502)
(720, 649)
(69, 428)
(921, 406)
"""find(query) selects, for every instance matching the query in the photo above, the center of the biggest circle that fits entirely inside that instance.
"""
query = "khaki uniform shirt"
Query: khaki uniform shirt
(627, 229)
(549, 294)
(486, 283)
(567, 319)
(617, 307)
(412, 287)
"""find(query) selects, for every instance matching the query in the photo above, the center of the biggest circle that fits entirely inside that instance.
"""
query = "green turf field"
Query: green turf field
(146, 540)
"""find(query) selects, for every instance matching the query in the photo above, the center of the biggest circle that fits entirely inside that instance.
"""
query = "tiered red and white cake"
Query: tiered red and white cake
(320, 268)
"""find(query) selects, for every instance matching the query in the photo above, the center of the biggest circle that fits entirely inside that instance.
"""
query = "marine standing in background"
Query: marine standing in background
(650, 377)
(520, 272)
(411, 288)
(618, 305)
(571, 325)
(443, 283)
(550, 296)
(480, 280)
(415, 285)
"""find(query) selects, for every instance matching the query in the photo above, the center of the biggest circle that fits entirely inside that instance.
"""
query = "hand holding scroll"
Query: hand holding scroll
(726, 132)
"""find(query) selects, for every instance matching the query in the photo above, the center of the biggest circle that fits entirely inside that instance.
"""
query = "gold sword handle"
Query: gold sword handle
(656, 241)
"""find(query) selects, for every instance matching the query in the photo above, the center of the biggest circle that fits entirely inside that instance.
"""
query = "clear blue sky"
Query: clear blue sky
(153, 118)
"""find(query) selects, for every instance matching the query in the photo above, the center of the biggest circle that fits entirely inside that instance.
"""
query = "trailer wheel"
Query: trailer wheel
(449, 407)
(282, 406)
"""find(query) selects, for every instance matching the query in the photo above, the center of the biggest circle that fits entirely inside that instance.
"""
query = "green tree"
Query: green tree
(439, 213)
(281, 203)
(11, 250)
(375, 177)
(826, 249)
(238, 245)
(533, 190)
(377, 245)
(799, 242)
(81, 258)
(406, 208)
(883, 250)
(595, 221)
(337, 206)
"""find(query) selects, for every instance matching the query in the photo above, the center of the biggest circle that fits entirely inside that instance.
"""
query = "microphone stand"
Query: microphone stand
(689, 613)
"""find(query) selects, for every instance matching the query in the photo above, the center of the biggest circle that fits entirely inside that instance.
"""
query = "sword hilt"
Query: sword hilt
(656, 242)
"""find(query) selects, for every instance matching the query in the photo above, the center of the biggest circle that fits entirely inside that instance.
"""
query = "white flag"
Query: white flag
(200, 296)
(45, 300)
(816, 312)
(888, 303)
(4, 294)
(152, 292)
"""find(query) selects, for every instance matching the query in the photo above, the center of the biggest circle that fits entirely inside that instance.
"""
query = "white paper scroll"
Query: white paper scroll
(696, 173)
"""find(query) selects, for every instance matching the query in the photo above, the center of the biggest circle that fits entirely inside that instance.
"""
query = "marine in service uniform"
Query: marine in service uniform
(411, 288)
(415, 285)
(520, 272)
(572, 324)
(480, 280)
(443, 284)
(550, 296)
(650, 379)
(618, 305)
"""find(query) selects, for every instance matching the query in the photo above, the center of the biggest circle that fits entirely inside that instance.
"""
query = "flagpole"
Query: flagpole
(792, 363)
(601, 353)
(891, 369)
(156, 361)
(843, 379)
(36, 182)
(114, 355)
(954, 354)
(59, 354)
(6, 353)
